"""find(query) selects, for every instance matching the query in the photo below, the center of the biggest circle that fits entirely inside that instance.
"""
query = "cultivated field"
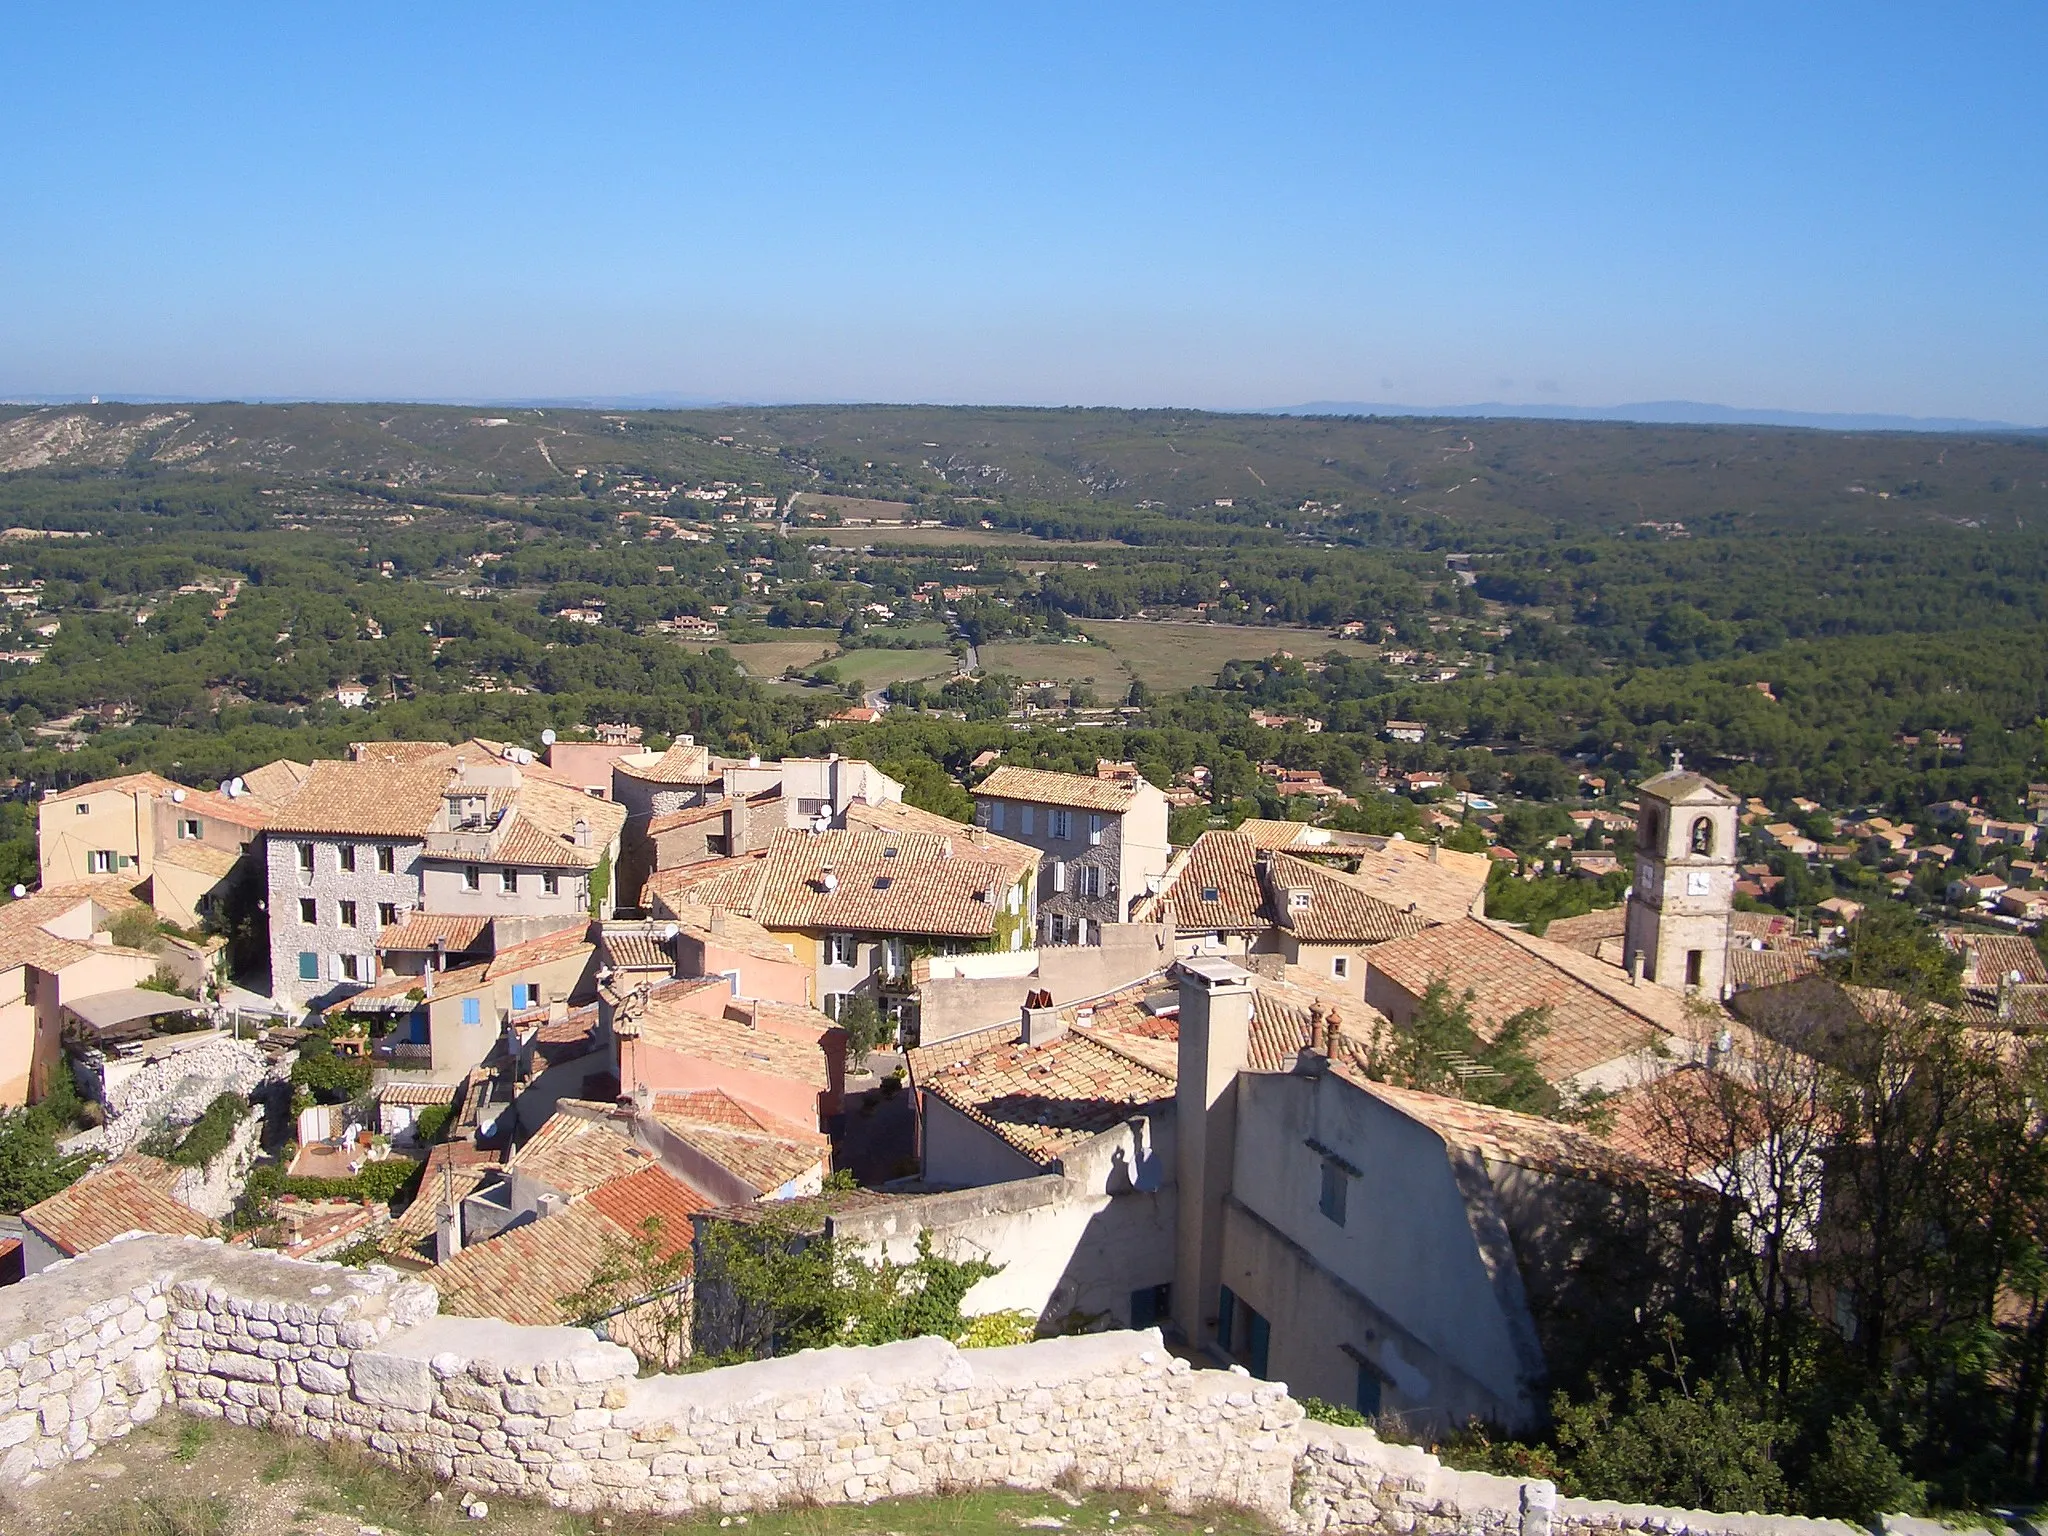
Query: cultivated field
(1036, 661)
(855, 506)
(771, 658)
(1174, 656)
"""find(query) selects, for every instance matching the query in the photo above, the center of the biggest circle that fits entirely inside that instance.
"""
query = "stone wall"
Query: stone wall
(176, 1087)
(96, 1345)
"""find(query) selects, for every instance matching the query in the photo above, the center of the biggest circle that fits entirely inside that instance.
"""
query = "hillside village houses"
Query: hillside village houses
(1143, 1082)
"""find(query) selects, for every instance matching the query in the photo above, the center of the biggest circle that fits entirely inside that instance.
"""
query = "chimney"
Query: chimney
(547, 1204)
(581, 833)
(718, 922)
(1042, 1025)
(1635, 969)
(1215, 1045)
(447, 1220)
(1436, 851)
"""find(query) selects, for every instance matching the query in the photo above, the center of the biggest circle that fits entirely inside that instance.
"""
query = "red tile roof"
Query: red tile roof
(421, 930)
(130, 1194)
(575, 1152)
(1043, 1100)
(652, 1195)
(1083, 791)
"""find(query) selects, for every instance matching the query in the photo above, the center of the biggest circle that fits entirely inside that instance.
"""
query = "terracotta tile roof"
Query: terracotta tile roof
(201, 859)
(130, 1194)
(1504, 1136)
(735, 931)
(732, 884)
(1683, 785)
(1443, 884)
(1083, 791)
(575, 1152)
(1686, 1122)
(423, 1094)
(763, 1149)
(369, 799)
(652, 1194)
(1585, 932)
(544, 830)
(778, 1052)
(25, 941)
(127, 784)
(545, 950)
(883, 882)
(420, 931)
(1212, 885)
(466, 1167)
(1509, 972)
(1767, 967)
(894, 816)
(238, 811)
(523, 1273)
(273, 781)
(1042, 1100)
(688, 816)
(680, 764)
(397, 751)
(1342, 909)
(639, 951)
(1989, 958)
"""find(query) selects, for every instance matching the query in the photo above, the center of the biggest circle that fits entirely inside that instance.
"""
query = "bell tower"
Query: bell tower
(1678, 911)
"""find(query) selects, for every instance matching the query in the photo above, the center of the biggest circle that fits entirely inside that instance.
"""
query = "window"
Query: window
(387, 861)
(387, 914)
(83, 809)
(1297, 901)
(351, 968)
(99, 862)
(1025, 817)
(1340, 966)
(472, 878)
(1094, 828)
(508, 882)
(309, 911)
(1695, 961)
(472, 1011)
(1211, 893)
(842, 949)
(346, 853)
(995, 815)
(1091, 880)
(1368, 1399)
(305, 858)
(1055, 928)
(895, 957)
(1060, 823)
(1058, 870)
(348, 914)
(309, 965)
(550, 884)
(1151, 1306)
(189, 829)
(1336, 1188)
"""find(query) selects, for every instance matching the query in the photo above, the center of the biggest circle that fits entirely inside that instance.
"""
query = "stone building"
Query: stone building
(1103, 842)
(1678, 932)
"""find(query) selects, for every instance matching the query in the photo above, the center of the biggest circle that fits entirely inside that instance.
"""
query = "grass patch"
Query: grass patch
(878, 669)
(188, 1477)
(1170, 656)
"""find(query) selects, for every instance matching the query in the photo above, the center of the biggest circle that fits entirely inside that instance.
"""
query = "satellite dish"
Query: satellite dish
(547, 737)
(236, 787)
(20, 891)
(177, 797)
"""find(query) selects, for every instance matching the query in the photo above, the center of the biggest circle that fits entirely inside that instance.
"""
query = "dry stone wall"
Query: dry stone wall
(94, 1346)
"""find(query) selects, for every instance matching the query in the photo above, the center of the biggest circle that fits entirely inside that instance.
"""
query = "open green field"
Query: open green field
(771, 658)
(941, 538)
(1175, 656)
(855, 506)
(194, 1477)
(878, 669)
(1036, 661)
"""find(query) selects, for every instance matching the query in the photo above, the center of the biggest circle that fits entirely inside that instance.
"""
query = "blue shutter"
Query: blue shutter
(1259, 1346)
(1226, 1309)
(309, 965)
(518, 995)
(1368, 1391)
(472, 1011)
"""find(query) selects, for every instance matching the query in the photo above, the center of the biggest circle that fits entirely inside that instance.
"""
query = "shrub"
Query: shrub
(1332, 1413)
(1858, 1477)
(995, 1330)
(432, 1121)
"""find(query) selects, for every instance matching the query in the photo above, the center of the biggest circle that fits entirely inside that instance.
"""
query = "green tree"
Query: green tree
(866, 1028)
(644, 1282)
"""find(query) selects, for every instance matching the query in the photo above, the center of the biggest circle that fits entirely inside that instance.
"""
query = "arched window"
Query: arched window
(1703, 836)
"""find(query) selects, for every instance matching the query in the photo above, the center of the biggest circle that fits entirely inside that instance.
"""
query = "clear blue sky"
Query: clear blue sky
(1800, 205)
